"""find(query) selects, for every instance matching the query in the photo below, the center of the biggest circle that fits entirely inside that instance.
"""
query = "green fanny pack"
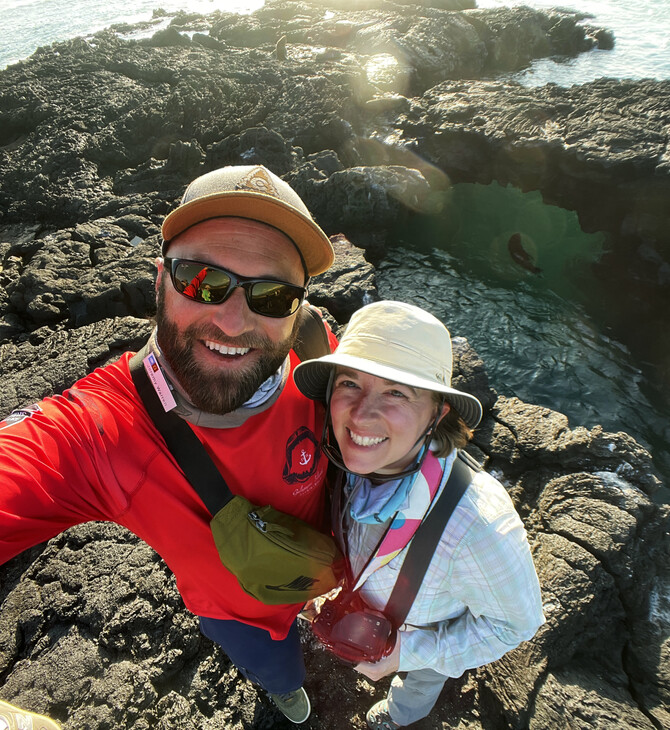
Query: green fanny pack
(276, 558)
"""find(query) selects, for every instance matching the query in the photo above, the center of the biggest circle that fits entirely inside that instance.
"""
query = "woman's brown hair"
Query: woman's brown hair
(451, 432)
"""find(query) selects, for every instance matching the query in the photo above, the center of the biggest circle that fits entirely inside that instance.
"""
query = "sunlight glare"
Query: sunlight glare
(382, 68)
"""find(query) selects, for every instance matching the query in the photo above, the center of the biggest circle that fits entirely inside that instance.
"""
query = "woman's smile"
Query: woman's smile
(361, 440)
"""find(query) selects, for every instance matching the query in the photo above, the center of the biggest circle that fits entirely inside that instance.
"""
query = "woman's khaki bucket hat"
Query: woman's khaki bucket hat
(252, 191)
(397, 342)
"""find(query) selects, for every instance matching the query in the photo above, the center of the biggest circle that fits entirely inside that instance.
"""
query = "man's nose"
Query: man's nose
(233, 317)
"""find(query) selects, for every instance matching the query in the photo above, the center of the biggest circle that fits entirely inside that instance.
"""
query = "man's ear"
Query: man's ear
(161, 271)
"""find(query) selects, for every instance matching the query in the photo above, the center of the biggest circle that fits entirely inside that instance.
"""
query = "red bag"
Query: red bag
(352, 631)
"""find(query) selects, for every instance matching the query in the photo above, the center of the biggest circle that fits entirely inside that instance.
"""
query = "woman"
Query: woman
(398, 424)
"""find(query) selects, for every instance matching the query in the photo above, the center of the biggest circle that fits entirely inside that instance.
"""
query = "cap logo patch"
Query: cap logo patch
(258, 181)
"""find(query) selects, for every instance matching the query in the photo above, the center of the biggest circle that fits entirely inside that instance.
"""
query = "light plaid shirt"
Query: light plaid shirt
(480, 597)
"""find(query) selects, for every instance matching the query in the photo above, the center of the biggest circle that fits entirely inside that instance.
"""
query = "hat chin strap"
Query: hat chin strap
(331, 449)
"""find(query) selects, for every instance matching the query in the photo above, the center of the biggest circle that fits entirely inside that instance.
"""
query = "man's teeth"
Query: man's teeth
(227, 350)
(366, 440)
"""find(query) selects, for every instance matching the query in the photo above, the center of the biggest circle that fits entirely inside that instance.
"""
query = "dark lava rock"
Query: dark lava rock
(367, 113)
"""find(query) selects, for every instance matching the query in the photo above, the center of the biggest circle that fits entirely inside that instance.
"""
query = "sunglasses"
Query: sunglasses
(209, 284)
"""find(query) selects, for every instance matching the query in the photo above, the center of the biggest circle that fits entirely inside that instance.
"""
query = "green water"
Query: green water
(476, 226)
(542, 336)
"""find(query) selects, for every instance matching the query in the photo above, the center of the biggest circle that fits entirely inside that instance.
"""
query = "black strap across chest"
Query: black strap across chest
(425, 540)
(182, 442)
(184, 445)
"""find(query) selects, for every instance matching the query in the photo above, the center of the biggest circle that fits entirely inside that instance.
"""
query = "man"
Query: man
(223, 362)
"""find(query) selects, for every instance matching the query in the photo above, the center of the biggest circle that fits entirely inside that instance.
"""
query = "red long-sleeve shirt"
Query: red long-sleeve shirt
(93, 453)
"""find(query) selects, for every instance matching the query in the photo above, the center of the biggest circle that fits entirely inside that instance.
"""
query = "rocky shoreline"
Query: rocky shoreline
(98, 138)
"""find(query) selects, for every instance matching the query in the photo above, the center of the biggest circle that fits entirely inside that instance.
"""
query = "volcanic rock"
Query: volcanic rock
(371, 112)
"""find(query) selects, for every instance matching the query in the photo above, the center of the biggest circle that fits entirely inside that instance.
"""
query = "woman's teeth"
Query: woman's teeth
(366, 440)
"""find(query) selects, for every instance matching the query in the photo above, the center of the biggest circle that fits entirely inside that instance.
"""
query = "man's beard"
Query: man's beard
(214, 391)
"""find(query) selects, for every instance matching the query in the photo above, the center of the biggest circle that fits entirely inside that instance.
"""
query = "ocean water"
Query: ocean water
(28, 24)
(642, 31)
(641, 50)
(538, 335)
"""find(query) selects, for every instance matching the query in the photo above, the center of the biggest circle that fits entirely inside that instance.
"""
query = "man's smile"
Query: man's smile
(225, 349)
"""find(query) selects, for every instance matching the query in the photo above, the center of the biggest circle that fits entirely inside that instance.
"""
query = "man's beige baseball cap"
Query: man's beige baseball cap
(398, 342)
(252, 191)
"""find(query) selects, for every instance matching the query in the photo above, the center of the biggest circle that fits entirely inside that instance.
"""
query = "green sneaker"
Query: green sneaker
(295, 705)
(378, 717)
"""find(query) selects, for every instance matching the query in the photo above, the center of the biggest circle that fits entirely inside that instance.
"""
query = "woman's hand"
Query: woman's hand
(313, 606)
(310, 610)
(385, 666)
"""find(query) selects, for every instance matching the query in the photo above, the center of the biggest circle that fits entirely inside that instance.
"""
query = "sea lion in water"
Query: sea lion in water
(520, 255)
